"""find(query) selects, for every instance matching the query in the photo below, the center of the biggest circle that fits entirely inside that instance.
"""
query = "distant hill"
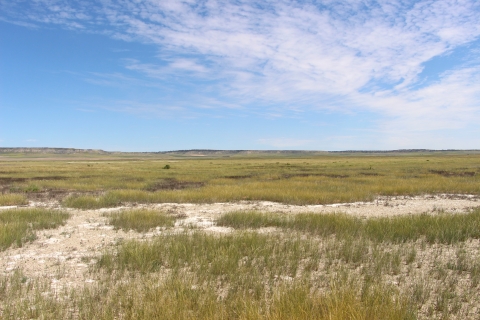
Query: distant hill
(210, 152)
(205, 152)
(404, 151)
(52, 150)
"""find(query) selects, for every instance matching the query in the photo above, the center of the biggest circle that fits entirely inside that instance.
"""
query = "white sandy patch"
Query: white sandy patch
(382, 207)
(63, 255)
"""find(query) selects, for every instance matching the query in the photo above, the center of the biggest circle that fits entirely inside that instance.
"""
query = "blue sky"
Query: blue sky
(151, 75)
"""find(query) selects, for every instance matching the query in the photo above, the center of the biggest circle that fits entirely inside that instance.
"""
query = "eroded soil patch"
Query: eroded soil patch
(453, 174)
(65, 254)
(173, 184)
(9, 180)
(239, 177)
(294, 175)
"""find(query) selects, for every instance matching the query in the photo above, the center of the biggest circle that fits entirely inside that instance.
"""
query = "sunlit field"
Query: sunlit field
(257, 265)
(333, 269)
(300, 180)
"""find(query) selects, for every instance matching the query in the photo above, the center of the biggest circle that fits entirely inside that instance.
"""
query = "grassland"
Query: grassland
(291, 272)
(269, 265)
(301, 180)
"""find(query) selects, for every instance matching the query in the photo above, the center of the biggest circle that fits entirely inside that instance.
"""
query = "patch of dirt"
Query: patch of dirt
(293, 175)
(8, 180)
(49, 178)
(239, 177)
(52, 197)
(453, 174)
(48, 195)
(369, 174)
(173, 184)
(134, 179)
(65, 254)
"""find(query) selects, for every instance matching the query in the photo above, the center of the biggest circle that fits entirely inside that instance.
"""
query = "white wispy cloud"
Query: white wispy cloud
(19, 23)
(170, 67)
(86, 110)
(161, 109)
(289, 56)
(449, 103)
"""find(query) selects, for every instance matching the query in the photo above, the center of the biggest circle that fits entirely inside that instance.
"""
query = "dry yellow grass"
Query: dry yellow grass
(296, 272)
(314, 180)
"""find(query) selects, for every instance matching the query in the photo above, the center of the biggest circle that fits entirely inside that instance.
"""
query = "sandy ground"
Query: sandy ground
(64, 254)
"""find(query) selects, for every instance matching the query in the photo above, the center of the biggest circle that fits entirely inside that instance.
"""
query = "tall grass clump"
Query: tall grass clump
(252, 220)
(91, 202)
(238, 276)
(12, 199)
(211, 254)
(441, 228)
(141, 220)
(178, 298)
(18, 226)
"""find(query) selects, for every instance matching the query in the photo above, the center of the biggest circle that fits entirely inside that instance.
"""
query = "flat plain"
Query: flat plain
(240, 236)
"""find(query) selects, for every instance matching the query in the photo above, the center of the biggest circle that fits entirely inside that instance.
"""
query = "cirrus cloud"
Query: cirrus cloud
(284, 57)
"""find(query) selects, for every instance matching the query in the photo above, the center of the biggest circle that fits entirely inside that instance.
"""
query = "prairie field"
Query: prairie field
(296, 236)
(300, 180)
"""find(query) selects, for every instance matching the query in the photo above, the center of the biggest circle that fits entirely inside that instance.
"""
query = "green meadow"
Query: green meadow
(268, 265)
(293, 179)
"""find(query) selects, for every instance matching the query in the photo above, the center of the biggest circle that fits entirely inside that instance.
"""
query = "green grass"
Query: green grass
(307, 179)
(257, 277)
(214, 255)
(440, 228)
(18, 226)
(12, 199)
(313, 267)
(91, 202)
(175, 298)
(249, 275)
(141, 220)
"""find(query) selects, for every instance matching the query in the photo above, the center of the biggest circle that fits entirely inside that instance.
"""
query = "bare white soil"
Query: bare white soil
(64, 254)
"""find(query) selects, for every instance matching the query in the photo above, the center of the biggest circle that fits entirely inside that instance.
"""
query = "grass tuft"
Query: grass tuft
(12, 199)
(91, 202)
(18, 226)
(141, 220)
(440, 228)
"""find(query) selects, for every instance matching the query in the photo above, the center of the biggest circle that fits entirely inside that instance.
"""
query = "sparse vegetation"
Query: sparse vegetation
(247, 275)
(270, 265)
(440, 228)
(18, 226)
(182, 298)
